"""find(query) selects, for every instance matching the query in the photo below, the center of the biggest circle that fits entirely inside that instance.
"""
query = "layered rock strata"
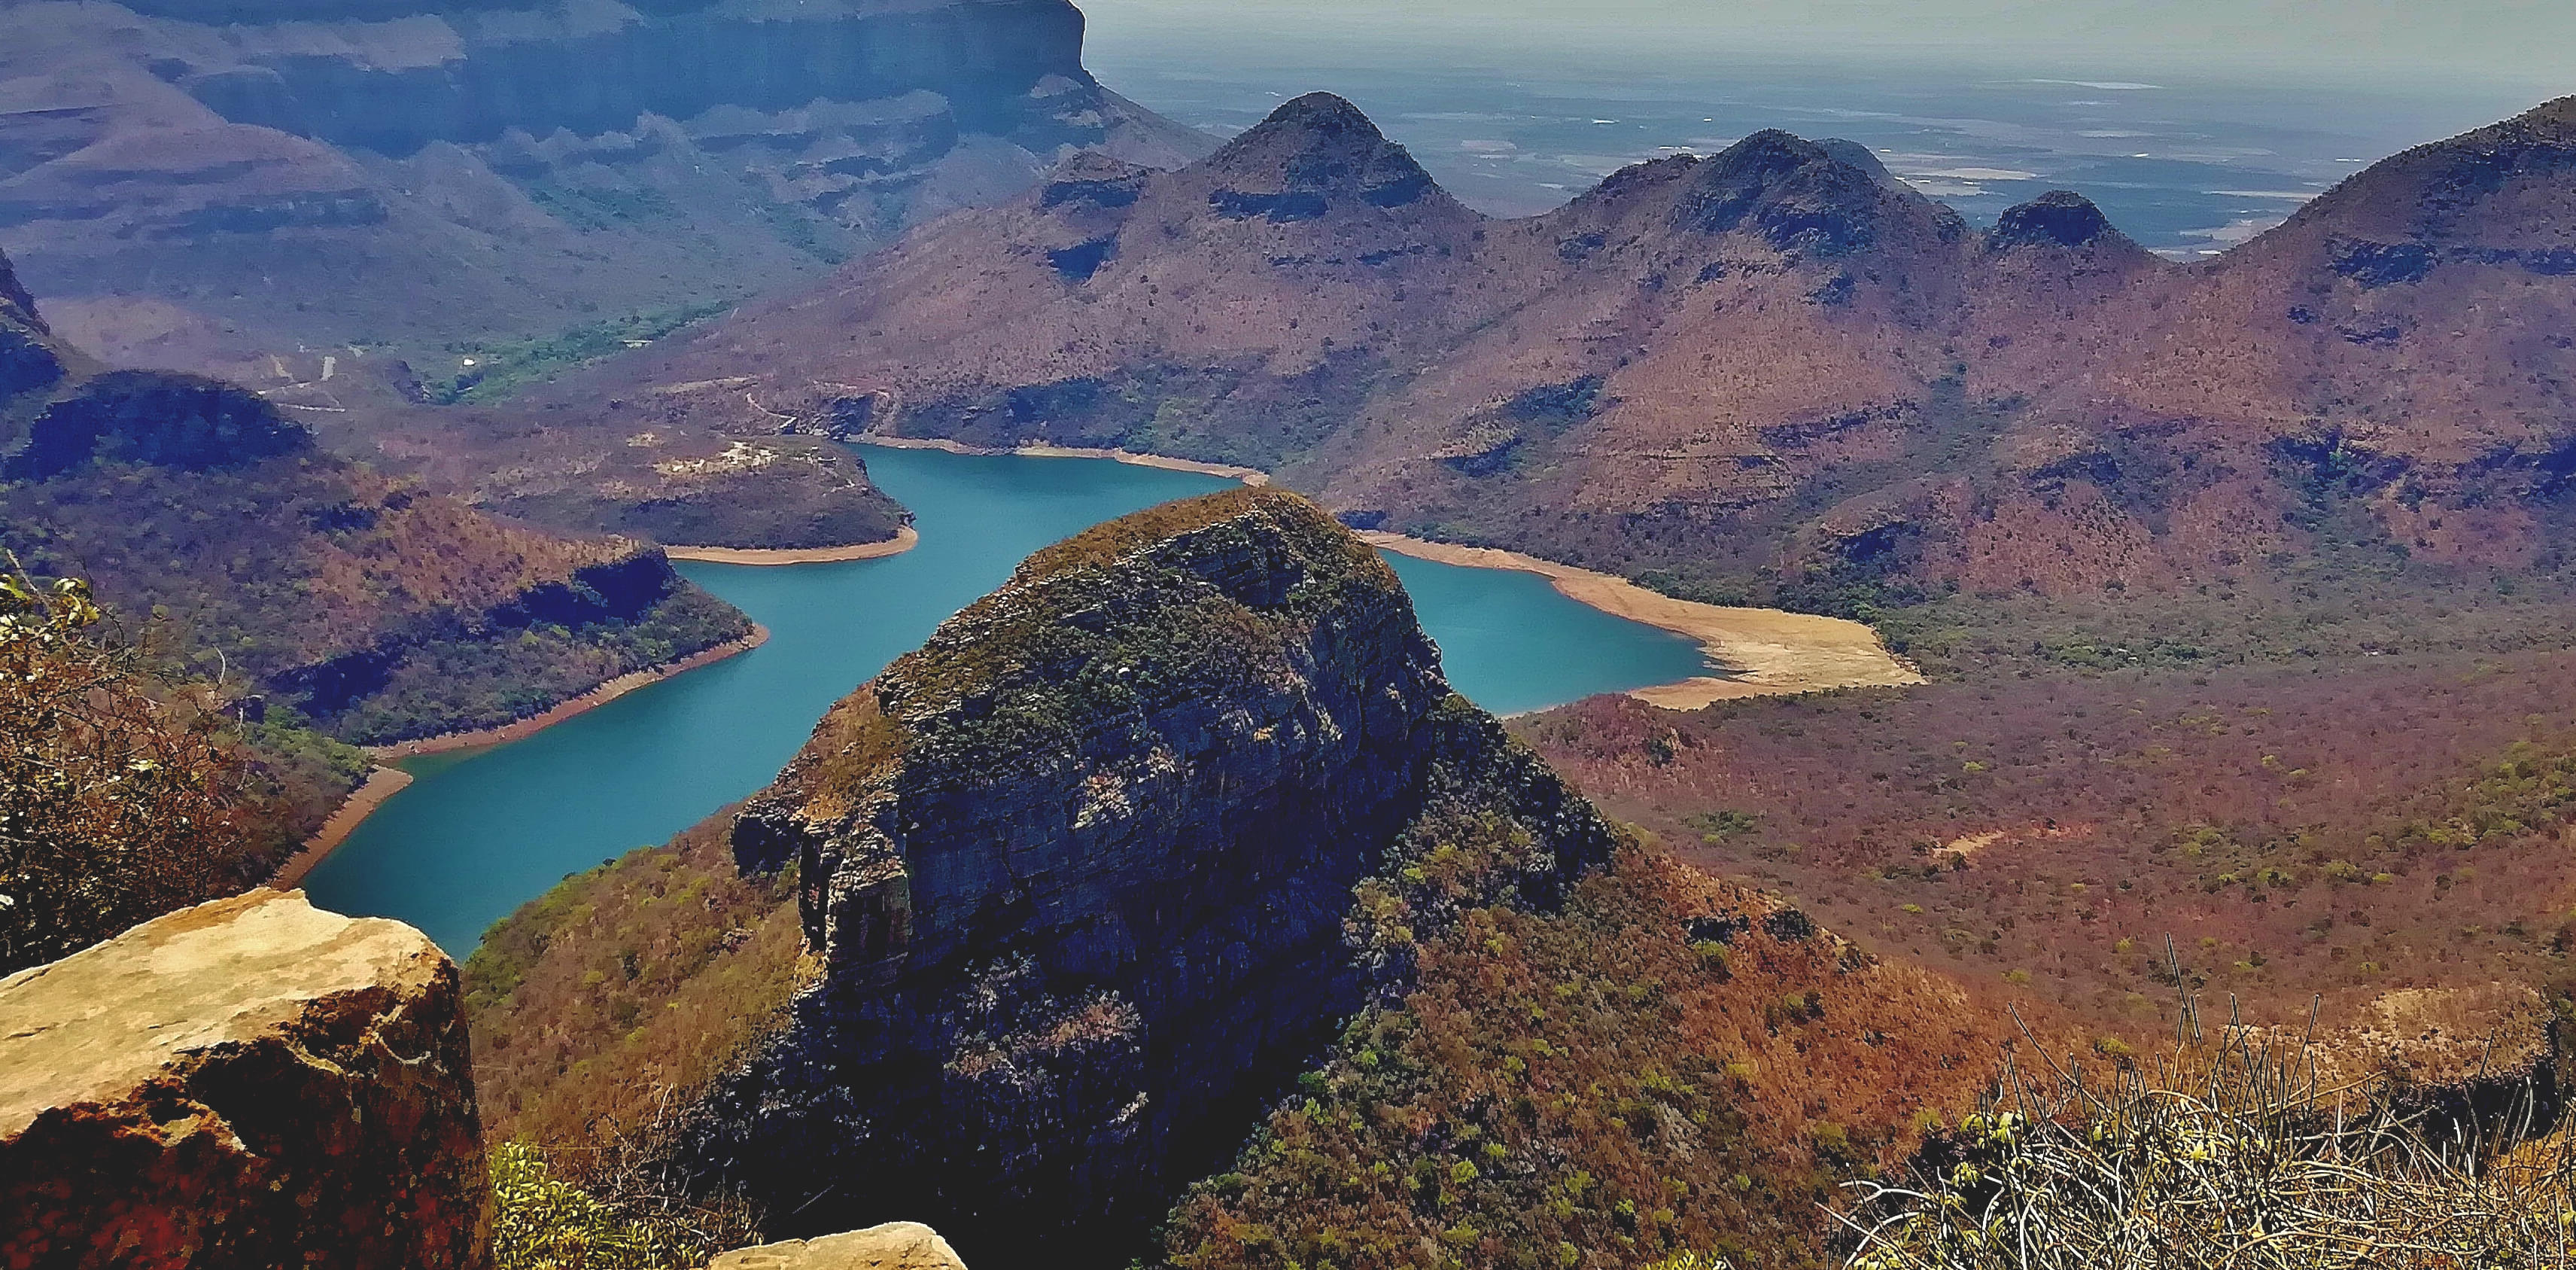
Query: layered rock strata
(248, 1083)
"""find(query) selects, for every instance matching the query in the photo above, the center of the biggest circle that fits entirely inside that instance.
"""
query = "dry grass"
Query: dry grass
(2233, 1152)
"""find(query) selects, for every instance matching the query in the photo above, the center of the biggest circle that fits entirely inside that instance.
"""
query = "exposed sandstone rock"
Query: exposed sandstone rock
(893, 1246)
(248, 1083)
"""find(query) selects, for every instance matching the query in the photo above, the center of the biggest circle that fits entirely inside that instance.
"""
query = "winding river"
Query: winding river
(481, 832)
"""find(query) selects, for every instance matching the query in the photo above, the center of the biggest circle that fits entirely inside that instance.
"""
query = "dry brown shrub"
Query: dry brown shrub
(120, 798)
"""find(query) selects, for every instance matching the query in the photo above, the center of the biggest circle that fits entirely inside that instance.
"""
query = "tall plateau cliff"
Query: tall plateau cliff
(1044, 920)
(192, 184)
(1750, 368)
(379, 610)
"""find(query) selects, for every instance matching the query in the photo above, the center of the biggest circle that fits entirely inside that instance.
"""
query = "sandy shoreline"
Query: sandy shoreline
(1774, 653)
(1247, 475)
(583, 704)
(764, 557)
(381, 784)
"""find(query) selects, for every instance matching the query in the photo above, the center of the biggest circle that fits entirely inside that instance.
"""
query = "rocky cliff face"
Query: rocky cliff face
(28, 361)
(249, 161)
(1076, 874)
(1763, 365)
(1073, 882)
(247, 1083)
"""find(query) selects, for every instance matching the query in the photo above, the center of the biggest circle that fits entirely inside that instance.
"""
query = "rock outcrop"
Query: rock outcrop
(470, 163)
(893, 1246)
(1076, 874)
(1073, 882)
(249, 1083)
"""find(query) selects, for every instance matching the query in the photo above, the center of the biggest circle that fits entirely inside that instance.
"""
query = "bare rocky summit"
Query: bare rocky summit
(248, 1083)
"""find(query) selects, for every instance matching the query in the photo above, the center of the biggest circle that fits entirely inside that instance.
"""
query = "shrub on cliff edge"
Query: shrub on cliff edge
(120, 798)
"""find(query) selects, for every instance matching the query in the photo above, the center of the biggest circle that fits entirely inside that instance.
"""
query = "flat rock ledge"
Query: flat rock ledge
(899, 1245)
(250, 1082)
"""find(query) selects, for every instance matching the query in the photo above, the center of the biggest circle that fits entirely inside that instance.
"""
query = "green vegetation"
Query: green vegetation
(466, 684)
(498, 369)
(625, 989)
(381, 612)
(544, 1221)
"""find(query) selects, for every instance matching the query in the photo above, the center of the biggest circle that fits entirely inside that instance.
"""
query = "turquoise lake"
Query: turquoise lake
(483, 832)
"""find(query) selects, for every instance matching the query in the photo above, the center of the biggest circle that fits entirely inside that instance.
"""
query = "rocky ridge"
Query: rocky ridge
(377, 609)
(1767, 368)
(1071, 883)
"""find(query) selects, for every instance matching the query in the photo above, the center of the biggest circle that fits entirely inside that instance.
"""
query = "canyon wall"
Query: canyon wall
(248, 1083)
(202, 186)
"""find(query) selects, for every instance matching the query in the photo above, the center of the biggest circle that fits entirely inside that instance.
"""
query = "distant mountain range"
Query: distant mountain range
(1768, 365)
(205, 185)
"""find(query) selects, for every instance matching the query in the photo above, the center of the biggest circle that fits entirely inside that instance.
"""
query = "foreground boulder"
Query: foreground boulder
(251, 1082)
(899, 1245)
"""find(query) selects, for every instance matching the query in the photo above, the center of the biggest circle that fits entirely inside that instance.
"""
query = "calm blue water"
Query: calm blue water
(482, 833)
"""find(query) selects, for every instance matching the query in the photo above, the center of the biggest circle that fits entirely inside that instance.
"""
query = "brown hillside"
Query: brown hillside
(1767, 370)
(381, 610)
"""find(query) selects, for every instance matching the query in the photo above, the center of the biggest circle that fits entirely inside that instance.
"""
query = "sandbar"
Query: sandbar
(763, 557)
(381, 784)
(1247, 475)
(1772, 652)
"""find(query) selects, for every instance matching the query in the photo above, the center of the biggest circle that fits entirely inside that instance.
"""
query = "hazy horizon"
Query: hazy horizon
(2469, 45)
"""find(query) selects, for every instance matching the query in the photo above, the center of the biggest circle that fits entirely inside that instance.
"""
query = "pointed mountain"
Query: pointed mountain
(1800, 195)
(1682, 354)
(1309, 155)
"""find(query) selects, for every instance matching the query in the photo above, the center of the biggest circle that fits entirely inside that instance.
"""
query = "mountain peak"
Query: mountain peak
(1309, 152)
(1800, 195)
(2059, 218)
(1322, 111)
(1770, 152)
